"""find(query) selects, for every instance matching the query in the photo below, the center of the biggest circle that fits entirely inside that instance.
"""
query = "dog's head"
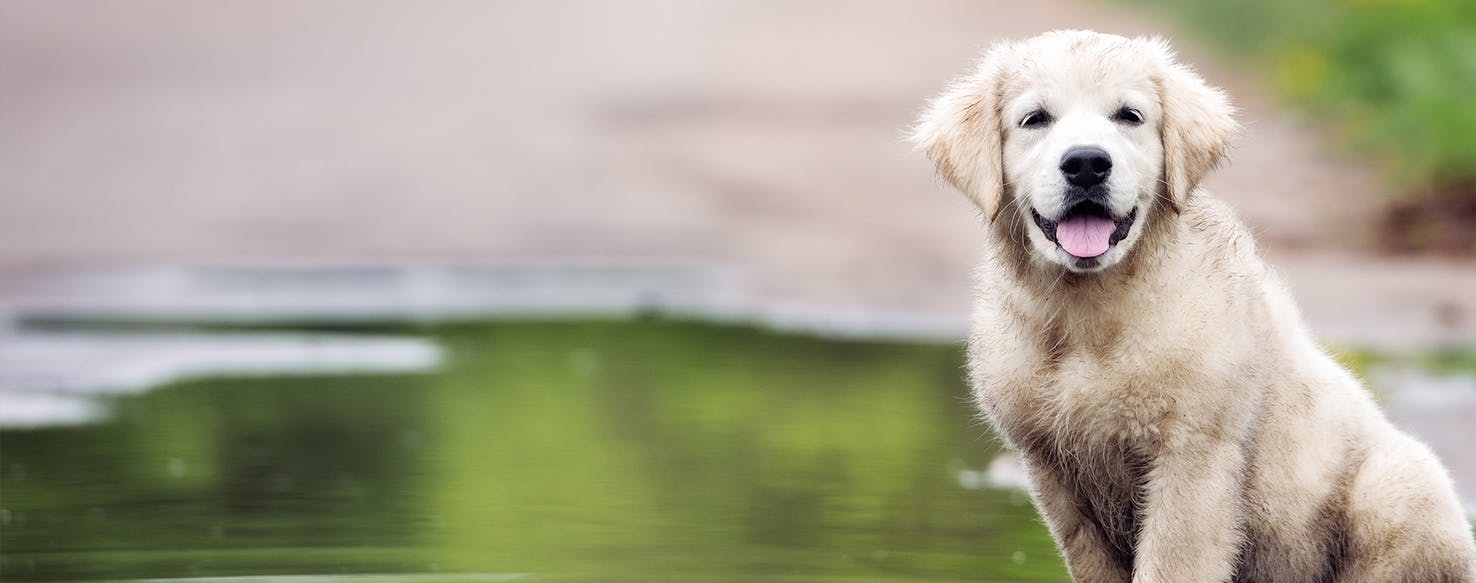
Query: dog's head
(1081, 137)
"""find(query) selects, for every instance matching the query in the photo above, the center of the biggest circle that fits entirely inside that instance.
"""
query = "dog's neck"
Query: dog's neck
(1089, 301)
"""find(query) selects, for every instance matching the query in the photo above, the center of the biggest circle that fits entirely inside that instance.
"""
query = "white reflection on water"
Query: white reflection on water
(61, 378)
(22, 410)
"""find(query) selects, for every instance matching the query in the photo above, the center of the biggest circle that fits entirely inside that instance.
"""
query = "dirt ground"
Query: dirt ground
(760, 135)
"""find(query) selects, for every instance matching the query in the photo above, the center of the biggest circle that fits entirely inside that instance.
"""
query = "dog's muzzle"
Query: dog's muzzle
(1087, 229)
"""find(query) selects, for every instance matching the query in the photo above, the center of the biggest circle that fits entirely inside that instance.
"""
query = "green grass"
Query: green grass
(1453, 362)
(1397, 77)
(1399, 74)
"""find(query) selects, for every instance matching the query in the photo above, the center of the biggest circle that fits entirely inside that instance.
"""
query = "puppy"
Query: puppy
(1177, 420)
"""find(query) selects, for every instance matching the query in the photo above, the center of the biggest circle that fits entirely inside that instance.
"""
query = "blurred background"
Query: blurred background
(646, 290)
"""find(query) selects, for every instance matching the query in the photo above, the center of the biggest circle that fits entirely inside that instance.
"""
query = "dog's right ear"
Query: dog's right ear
(962, 134)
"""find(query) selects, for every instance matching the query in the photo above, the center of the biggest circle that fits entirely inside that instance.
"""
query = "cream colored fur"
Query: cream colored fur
(1178, 421)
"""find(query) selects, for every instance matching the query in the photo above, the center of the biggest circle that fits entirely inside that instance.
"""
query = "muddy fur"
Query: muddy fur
(1178, 421)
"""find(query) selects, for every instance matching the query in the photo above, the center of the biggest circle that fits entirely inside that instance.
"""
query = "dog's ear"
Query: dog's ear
(961, 133)
(1197, 127)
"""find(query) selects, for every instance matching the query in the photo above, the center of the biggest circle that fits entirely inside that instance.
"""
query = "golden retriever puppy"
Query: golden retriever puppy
(1178, 422)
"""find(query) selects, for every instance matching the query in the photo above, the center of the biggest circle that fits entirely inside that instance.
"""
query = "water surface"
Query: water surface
(596, 451)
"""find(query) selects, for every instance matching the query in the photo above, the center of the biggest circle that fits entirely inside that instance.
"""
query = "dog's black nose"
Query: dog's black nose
(1086, 166)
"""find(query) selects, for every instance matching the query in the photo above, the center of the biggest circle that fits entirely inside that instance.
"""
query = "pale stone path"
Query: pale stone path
(762, 136)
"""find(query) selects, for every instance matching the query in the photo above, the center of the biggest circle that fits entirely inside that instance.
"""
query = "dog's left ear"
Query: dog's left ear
(961, 133)
(1197, 127)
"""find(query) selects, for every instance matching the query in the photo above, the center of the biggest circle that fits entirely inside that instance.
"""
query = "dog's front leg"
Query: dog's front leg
(1081, 543)
(1192, 519)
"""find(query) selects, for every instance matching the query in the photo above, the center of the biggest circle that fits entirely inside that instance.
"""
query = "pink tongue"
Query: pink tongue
(1084, 236)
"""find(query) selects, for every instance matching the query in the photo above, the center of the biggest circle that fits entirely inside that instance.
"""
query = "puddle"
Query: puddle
(611, 451)
(361, 578)
(1018, 557)
(583, 451)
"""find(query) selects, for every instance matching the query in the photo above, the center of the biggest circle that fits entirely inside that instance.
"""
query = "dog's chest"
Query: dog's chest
(1074, 393)
(1096, 423)
(1098, 433)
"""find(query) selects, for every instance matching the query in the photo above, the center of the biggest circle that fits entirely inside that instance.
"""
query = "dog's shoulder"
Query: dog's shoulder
(1214, 223)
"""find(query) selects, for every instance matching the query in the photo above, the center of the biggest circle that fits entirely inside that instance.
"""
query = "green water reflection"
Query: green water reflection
(626, 451)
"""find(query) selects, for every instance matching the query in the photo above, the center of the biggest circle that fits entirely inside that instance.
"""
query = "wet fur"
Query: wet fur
(1178, 421)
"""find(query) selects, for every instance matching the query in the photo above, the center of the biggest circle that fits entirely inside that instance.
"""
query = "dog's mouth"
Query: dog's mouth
(1086, 230)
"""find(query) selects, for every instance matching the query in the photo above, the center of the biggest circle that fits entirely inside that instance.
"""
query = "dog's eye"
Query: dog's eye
(1128, 115)
(1036, 119)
